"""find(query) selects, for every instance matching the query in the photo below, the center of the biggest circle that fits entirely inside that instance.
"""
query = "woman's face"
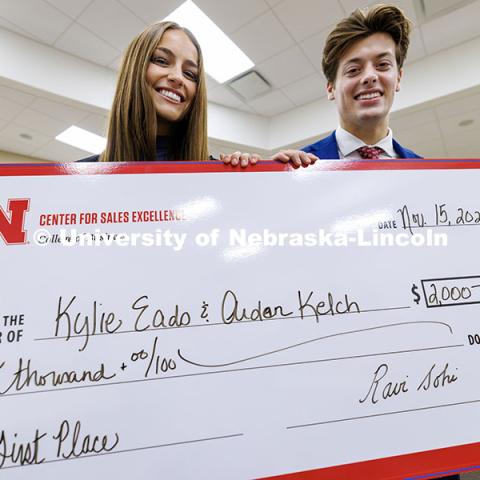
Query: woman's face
(173, 76)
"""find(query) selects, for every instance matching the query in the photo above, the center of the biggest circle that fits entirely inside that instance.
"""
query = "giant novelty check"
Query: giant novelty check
(186, 321)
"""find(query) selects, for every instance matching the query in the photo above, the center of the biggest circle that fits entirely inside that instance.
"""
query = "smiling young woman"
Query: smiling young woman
(159, 110)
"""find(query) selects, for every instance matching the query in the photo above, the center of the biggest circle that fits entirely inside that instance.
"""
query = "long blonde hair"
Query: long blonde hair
(132, 128)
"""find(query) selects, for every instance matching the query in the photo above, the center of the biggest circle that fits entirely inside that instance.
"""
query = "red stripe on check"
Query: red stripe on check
(95, 168)
(423, 465)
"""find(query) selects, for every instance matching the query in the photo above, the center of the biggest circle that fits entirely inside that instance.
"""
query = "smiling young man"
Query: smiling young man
(363, 63)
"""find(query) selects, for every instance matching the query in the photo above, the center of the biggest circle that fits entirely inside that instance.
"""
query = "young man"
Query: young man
(362, 61)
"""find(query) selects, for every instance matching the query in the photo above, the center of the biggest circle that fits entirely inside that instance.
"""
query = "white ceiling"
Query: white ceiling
(434, 131)
(283, 37)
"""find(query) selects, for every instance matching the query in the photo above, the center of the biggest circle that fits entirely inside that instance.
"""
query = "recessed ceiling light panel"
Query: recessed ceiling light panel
(82, 139)
(223, 59)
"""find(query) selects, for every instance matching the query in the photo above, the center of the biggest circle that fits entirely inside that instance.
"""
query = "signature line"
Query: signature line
(326, 422)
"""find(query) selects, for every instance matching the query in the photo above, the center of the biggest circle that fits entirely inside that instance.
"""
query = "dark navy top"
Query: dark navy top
(161, 151)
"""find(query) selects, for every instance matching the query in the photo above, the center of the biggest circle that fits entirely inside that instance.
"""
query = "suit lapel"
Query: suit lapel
(401, 152)
(330, 147)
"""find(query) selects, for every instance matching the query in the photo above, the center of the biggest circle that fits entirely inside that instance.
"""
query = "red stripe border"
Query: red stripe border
(423, 465)
(96, 168)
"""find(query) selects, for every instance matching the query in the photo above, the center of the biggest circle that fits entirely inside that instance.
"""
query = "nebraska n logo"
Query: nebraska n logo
(12, 223)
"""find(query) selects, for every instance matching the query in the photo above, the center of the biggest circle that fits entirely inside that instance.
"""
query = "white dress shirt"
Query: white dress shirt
(348, 145)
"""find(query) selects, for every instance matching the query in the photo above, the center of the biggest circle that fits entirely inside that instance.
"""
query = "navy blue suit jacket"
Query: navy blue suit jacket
(327, 149)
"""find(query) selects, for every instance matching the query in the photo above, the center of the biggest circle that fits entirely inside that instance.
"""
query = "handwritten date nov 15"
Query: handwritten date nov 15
(410, 219)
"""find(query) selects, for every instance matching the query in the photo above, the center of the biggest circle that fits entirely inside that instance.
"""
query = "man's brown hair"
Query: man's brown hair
(361, 24)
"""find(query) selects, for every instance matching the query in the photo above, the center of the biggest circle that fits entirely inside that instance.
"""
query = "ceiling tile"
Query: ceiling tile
(229, 15)
(245, 108)
(306, 90)
(59, 111)
(72, 8)
(15, 28)
(271, 104)
(60, 152)
(41, 123)
(37, 17)
(412, 120)
(94, 123)
(15, 95)
(13, 131)
(303, 18)
(263, 37)
(82, 43)
(438, 34)
(313, 48)
(416, 50)
(286, 67)
(406, 6)
(464, 105)
(434, 8)
(8, 109)
(223, 96)
(151, 11)
(7, 144)
(111, 21)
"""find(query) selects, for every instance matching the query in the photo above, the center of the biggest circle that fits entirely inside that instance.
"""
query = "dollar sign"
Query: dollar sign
(415, 294)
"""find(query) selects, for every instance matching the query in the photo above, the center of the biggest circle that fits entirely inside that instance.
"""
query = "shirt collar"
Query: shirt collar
(348, 143)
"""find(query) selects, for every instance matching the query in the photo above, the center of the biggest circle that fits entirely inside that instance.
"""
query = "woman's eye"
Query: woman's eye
(352, 71)
(191, 75)
(159, 60)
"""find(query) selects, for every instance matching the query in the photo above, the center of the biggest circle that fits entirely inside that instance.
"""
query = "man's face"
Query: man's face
(366, 81)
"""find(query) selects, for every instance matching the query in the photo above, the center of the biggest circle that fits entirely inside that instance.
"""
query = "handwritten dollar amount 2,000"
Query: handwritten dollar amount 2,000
(444, 292)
